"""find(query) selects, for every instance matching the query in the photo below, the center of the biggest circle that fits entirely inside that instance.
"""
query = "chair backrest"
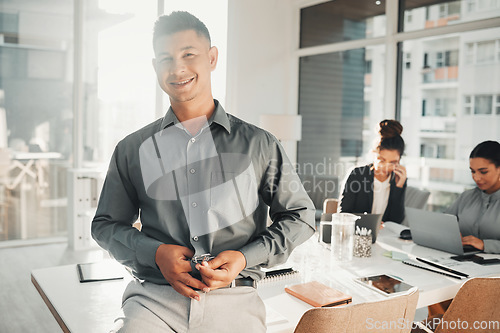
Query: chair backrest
(477, 301)
(416, 198)
(320, 187)
(330, 206)
(395, 314)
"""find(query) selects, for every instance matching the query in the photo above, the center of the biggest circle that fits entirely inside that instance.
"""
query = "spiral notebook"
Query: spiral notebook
(279, 275)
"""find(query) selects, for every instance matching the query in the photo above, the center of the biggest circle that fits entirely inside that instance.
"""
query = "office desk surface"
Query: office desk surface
(84, 307)
(80, 307)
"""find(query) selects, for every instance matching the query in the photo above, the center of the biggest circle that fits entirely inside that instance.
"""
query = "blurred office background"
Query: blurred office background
(76, 77)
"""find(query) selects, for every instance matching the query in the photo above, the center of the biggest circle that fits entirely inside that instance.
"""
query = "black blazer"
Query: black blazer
(357, 195)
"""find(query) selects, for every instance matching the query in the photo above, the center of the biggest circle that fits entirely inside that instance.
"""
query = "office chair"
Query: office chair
(362, 317)
(415, 198)
(475, 302)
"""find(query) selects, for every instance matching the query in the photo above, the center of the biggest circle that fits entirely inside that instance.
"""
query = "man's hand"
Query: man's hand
(474, 241)
(174, 264)
(223, 269)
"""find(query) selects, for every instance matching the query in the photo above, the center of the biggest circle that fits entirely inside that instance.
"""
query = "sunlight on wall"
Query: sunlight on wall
(214, 15)
(125, 49)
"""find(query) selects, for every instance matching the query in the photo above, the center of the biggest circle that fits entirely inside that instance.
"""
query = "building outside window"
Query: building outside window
(444, 102)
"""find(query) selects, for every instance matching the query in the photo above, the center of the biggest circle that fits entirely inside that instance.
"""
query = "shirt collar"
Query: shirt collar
(219, 117)
(493, 196)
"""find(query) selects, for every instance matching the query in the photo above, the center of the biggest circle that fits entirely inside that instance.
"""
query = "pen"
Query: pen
(444, 268)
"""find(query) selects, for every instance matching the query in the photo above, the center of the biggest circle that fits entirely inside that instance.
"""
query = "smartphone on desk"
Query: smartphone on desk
(467, 257)
(492, 261)
(477, 259)
(384, 284)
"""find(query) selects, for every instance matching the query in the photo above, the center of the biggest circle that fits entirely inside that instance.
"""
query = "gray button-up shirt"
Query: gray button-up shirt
(210, 192)
(479, 215)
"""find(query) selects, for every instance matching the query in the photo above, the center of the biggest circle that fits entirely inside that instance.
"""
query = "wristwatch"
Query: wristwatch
(201, 258)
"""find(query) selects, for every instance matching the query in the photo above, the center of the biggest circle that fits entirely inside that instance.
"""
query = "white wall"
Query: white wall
(261, 70)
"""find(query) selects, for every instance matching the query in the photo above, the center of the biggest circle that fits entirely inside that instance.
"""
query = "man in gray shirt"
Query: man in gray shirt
(202, 182)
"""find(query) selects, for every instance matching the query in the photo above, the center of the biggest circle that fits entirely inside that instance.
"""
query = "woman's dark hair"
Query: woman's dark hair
(489, 150)
(390, 136)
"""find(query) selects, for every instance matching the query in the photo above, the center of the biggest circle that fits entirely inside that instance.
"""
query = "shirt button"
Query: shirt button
(193, 140)
(195, 238)
(194, 204)
(192, 170)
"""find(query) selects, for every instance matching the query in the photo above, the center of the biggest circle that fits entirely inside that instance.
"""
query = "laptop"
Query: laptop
(370, 222)
(437, 230)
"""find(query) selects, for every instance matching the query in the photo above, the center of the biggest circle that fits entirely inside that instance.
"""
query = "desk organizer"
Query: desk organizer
(362, 246)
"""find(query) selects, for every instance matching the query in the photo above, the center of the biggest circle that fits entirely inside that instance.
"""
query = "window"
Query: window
(438, 108)
(338, 105)
(439, 59)
(483, 105)
(467, 105)
(444, 100)
(426, 60)
(36, 88)
(36, 77)
(469, 53)
(407, 60)
(471, 5)
(433, 150)
(408, 17)
(451, 58)
(368, 67)
(485, 52)
(443, 10)
(337, 21)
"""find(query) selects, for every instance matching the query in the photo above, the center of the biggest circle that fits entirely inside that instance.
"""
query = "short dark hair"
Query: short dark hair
(489, 150)
(390, 136)
(179, 21)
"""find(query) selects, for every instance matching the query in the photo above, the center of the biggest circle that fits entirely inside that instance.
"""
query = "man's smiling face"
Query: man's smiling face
(183, 63)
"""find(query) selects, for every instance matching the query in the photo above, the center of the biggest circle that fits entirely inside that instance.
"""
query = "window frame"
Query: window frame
(393, 39)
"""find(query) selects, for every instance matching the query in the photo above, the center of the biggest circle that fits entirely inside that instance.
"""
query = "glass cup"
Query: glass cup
(343, 236)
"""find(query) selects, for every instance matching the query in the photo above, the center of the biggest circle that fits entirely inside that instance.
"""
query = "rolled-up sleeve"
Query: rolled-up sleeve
(290, 209)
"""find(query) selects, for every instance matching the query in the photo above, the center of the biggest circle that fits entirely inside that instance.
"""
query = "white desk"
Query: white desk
(94, 306)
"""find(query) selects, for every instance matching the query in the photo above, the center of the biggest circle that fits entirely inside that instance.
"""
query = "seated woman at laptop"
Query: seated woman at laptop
(379, 187)
(478, 210)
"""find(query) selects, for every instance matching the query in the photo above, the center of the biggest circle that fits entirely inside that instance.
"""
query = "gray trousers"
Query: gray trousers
(151, 308)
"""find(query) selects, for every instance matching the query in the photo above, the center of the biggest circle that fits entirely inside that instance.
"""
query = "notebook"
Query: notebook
(100, 271)
(318, 294)
(281, 274)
